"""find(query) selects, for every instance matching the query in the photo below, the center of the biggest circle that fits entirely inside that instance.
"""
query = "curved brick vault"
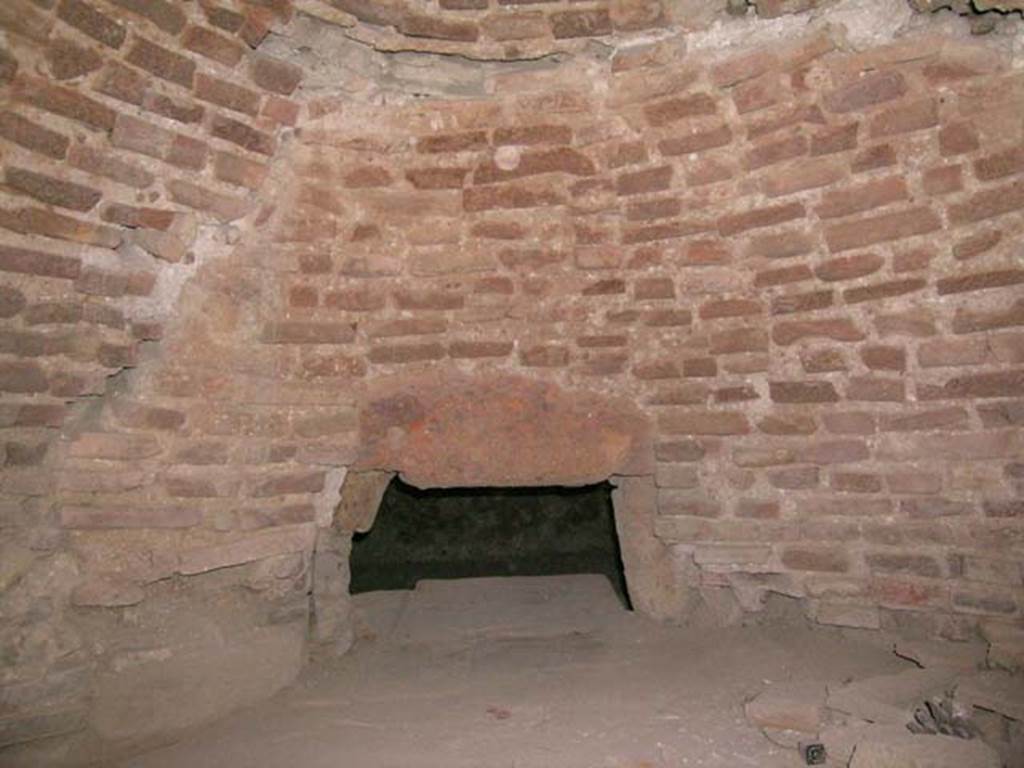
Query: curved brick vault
(787, 277)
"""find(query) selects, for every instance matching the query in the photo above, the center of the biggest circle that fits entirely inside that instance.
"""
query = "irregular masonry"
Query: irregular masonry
(800, 264)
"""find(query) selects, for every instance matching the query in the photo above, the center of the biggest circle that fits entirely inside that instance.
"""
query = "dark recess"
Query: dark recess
(470, 532)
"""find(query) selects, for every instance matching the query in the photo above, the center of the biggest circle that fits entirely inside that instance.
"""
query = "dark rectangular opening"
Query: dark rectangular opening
(472, 532)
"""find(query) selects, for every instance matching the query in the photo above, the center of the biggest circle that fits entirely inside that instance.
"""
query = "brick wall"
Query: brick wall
(802, 263)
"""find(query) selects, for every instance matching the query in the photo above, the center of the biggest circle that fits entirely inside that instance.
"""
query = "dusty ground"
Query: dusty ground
(513, 674)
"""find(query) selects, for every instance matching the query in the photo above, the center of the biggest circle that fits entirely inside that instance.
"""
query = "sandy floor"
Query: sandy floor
(545, 675)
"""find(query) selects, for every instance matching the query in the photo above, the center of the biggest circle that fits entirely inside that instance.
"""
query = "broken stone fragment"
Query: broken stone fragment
(788, 707)
(890, 748)
(994, 690)
(889, 699)
(107, 591)
(930, 654)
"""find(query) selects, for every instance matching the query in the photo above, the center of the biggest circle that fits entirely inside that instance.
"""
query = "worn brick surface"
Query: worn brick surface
(796, 269)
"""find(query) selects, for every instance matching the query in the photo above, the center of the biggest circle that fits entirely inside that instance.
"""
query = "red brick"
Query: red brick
(795, 478)
(967, 321)
(873, 389)
(801, 302)
(776, 151)
(301, 482)
(883, 358)
(68, 60)
(85, 18)
(734, 224)
(701, 367)
(22, 19)
(123, 83)
(558, 160)
(915, 116)
(977, 244)
(570, 24)
(782, 276)
(937, 507)
(1000, 164)
(544, 356)
(809, 175)
(736, 394)
(29, 262)
(952, 352)
(436, 178)
(281, 110)
(958, 139)
(999, 384)
(703, 423)
(833, 452)
(849, 267)
(838, 329)
(914, 483)
(913, 260)
(696, 140)
(853, 423)
(935, 419)
(452, 142)
(643, 182)
(22, 378)
(225, 94)
(988, 204)
(856, 482)
(163, 14)
(274, 75)
(680, 108)
(1004, 508)
(803, 392)
(862, 197)
(32, 136)
(407, 326)
(730, 308)
(872, 158)
(648, 210)
(758, 510)
(759, 93)
(787, 424)
(780, 246)
(243, 135)
(515, 26)
(819, 559)
(822, 360)
(656, 370)
(213, 45)
(977, 281)
(430, 26)
(162, 62)
(834, 139)
(49, 223)
(147, 218)
(881, 228)
(531, 135)
(182, 111)
(884, 290)
(47, 189)
(942, 180)
(870, 89)
(917, 323)
(299, 332)
(66, 103)
(8, 67)
(739, 340)
(238, 170)
(477, 349)
(489, 197)
(224, 207)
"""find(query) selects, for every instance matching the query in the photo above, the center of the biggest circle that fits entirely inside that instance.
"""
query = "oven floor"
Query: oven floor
(529, 673)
